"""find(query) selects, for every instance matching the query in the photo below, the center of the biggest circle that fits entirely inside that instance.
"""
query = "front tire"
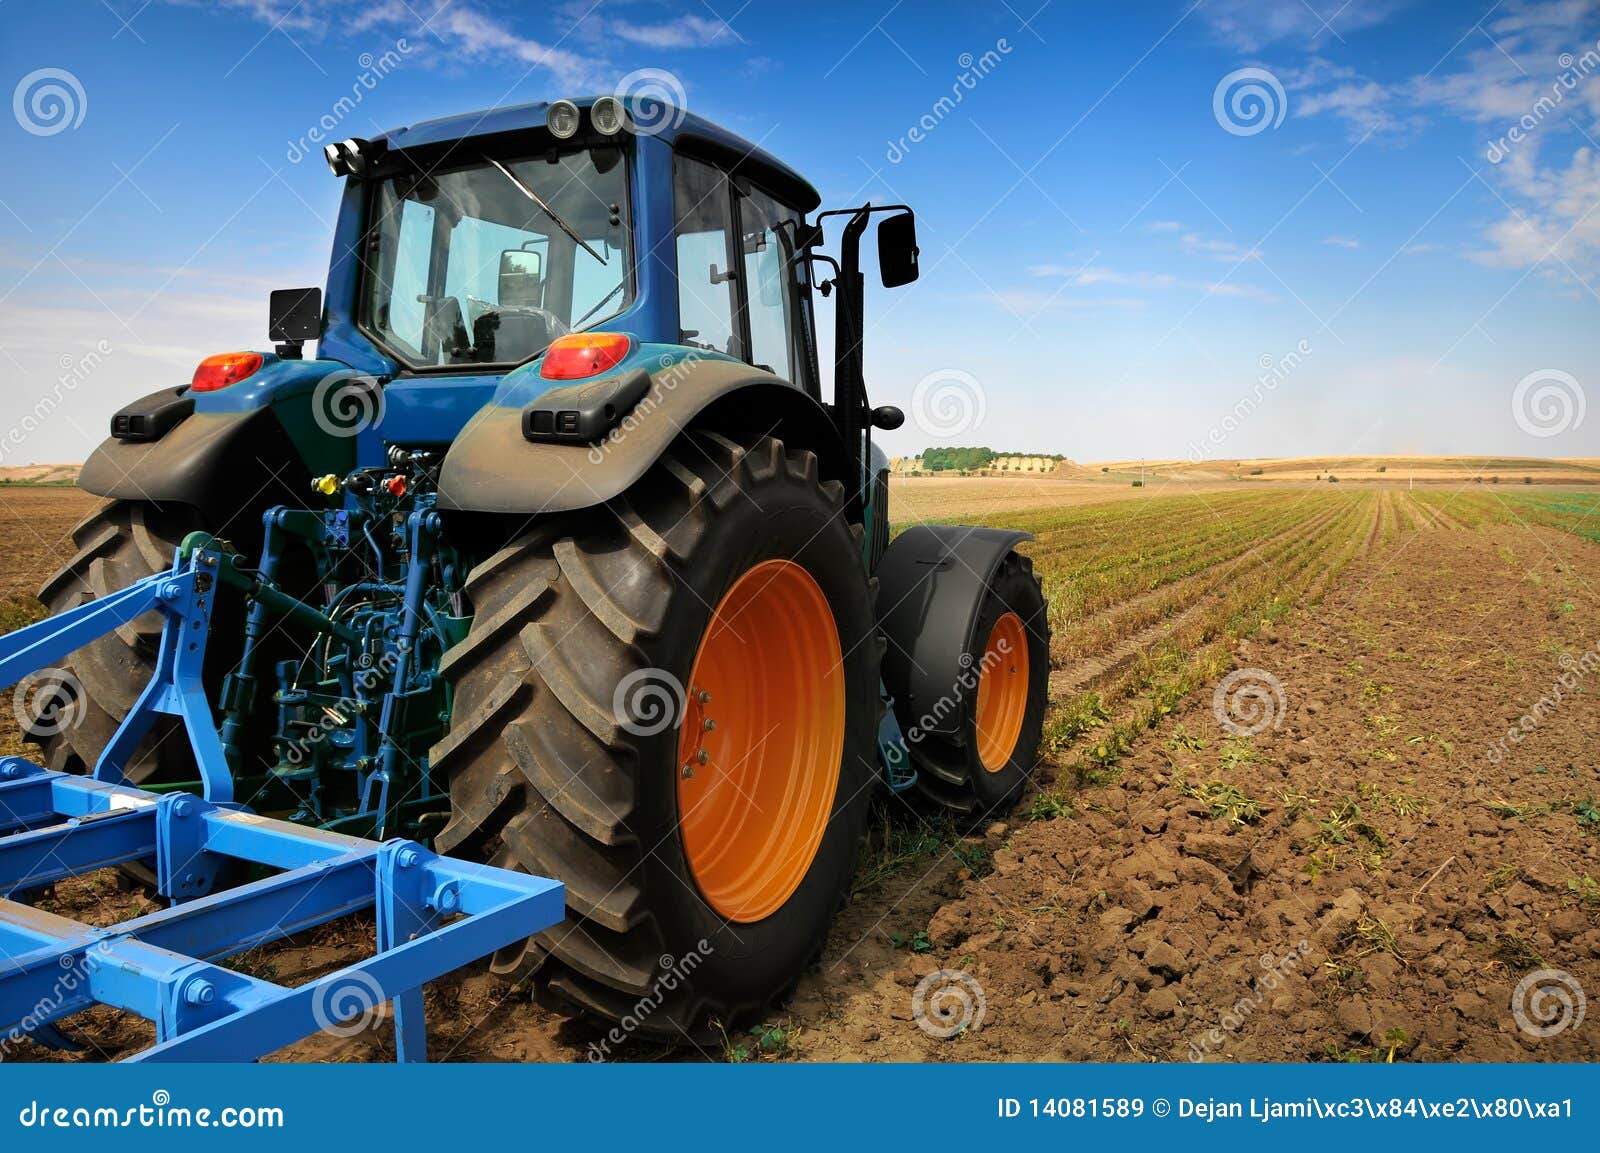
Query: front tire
(700, 885)
(982, 771)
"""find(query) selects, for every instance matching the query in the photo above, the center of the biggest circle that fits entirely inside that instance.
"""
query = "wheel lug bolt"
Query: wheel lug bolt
(703, 697)
(702, 756)
(709, 725)
(688, 770)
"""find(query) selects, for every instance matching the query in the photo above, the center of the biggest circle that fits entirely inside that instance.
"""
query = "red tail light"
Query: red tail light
(582, 354)
(224, 369)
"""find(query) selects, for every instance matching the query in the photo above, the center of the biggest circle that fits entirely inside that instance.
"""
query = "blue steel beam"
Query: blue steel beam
(38, 646)
(434, 915)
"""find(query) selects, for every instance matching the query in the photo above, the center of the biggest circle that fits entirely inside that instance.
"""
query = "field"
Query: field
(1362, 865)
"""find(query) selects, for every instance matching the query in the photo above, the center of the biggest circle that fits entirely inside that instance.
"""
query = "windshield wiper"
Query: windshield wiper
(548, 211)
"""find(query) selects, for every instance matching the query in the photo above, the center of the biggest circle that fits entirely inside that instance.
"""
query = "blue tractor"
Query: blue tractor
(557, 558)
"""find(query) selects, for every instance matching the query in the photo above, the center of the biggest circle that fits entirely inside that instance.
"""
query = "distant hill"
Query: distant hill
(1387, 469)
(54, 474)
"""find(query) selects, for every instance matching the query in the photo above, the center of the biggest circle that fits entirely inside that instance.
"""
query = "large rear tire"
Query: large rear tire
(703, 861)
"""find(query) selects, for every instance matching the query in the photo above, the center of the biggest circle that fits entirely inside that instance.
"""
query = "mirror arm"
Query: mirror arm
(849, 383)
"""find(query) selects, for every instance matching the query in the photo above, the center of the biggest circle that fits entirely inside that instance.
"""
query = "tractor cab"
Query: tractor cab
(467, 248)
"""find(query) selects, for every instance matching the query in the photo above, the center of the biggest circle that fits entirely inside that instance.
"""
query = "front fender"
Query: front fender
(931, 585)
(492, 468)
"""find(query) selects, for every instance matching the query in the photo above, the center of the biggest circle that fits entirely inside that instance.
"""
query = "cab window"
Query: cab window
(768, 231)
(707, 281)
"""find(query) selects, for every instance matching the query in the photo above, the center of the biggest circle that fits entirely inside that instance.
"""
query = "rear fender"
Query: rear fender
(931, 584)
(493, 468)
(229, 463)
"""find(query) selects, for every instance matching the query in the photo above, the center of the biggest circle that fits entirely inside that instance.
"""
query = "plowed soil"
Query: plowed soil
(1364, 868)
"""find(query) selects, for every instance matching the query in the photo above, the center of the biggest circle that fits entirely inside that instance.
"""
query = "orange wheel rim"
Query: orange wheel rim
(761, 742)
(1002, 692)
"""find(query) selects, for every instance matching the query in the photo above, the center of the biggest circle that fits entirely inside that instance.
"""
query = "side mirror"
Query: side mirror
(294, 316)
(521, 278)
(897, 250)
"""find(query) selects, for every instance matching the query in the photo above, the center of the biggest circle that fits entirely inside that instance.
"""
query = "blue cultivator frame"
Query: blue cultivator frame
(433, 914)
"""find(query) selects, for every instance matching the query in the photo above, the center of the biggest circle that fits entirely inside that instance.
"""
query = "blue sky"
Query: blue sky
(1113, 247)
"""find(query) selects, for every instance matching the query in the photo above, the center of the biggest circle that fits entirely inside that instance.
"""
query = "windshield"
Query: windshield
(489, 264)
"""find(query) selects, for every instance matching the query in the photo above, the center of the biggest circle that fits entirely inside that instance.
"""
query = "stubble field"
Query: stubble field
(1278, 815)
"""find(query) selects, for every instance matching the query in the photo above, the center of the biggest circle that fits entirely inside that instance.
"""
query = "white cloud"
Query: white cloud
(1250, 25)
(684, 32)
(1240, 291)
(1341, 242)
(1560, 225)
(1225, 250)
(1084, 277)
(1163, 226)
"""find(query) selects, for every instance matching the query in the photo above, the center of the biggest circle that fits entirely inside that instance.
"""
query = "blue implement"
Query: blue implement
(433, 914)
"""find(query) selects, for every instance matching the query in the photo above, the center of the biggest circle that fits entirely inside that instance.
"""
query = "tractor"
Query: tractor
(556, 559)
